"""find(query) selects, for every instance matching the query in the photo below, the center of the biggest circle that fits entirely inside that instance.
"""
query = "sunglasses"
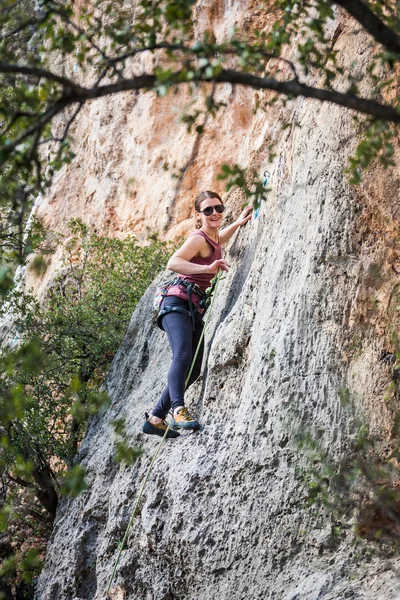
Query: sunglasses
(210, 209)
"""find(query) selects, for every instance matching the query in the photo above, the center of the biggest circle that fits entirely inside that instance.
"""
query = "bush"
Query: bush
(50, 381)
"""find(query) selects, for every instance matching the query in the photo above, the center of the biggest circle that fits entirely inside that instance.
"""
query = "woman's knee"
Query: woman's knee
(183, 359)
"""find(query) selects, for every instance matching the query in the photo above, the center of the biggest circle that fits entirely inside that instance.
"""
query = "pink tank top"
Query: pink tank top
(203, 280)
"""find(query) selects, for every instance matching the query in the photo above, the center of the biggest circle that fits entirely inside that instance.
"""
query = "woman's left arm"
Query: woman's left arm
(227, 232)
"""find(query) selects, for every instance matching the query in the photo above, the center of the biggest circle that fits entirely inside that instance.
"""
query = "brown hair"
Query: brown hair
(204, 196)
(199, 199)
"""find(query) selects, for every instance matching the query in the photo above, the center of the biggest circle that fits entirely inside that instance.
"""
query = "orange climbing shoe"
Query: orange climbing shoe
(183, 420)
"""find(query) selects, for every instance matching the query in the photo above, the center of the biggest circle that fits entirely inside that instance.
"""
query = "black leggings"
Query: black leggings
(183, 341)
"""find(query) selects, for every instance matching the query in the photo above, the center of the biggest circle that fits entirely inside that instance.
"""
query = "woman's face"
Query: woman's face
(214, 220)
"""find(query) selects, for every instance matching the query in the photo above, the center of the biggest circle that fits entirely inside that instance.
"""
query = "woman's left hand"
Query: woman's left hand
(245, 216)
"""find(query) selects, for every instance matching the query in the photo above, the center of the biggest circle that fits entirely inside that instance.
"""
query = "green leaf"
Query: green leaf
(6, 280)
(30, 565)
(73, 482)
(126, 453)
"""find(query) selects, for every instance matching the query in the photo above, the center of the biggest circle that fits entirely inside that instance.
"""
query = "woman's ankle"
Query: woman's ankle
(155, 420)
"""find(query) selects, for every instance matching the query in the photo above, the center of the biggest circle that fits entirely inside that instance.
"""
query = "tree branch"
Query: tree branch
(22, 482)
(372, 23)
(66, 130)
(91, 41)
(30, 511)
(291, 88)
(80, 95)
(196, 53)
(15, 118)
(45, 118)
(38, 72)
(34, 22)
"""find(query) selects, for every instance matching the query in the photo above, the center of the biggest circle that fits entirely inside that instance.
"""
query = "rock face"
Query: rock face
(137, 169)
(224, 512)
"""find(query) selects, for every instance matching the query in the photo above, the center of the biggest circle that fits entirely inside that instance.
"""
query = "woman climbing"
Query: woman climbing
(197, 262)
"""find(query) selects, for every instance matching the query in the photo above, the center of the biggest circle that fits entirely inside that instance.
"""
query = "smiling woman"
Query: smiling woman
(181, 317)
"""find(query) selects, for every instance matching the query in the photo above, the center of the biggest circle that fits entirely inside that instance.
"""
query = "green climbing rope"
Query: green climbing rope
(214, 285)
(122, 543)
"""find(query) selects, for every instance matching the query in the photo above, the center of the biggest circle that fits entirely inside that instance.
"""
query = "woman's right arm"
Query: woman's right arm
(180, 260)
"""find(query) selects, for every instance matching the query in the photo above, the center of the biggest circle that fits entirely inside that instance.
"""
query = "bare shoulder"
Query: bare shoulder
(194, 245)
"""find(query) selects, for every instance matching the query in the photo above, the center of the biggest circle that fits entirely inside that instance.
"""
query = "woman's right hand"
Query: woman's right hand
(217, 265)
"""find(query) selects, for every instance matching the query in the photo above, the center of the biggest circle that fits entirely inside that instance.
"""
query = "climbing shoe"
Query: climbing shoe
(183, 420)
(158, 429)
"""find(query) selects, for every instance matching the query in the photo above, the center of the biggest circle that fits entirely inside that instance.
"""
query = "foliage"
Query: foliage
(361, 487)
(247, 181)
(124, 451)
(51, 376)
(105, 41)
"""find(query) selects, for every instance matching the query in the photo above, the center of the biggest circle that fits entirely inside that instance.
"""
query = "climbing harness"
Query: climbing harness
(190, 288)
(208, 304)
